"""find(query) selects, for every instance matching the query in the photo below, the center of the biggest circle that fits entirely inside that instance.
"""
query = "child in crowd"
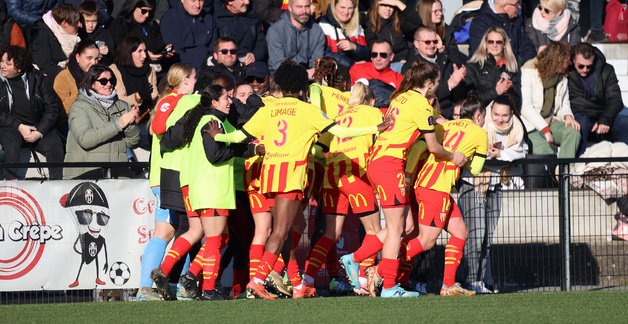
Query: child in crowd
(91, 30)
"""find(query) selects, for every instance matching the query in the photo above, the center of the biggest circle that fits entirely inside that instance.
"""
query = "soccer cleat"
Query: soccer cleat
(275, 280)
(338, 287)
(455, 290)
(182, 294)
(258, 290)
(162, 282)
(373, 280)
(147, 294)
(352, 269)
(397, 291)
(211, 295)
(189, 286)
(480, 288)
(222, 290)
(304, 292)
(421, 287)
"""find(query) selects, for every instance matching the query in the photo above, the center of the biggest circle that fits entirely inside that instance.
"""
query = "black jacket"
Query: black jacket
(218, 152)
(246, 29)
(268, 10)
(606, 103)
(46, 49)
(400, 44)
(103, 35)
(484, 79)
(210, 68)
(43, 99)
(119, 28)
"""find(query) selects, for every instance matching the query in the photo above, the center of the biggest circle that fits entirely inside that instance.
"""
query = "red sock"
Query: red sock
(293, 273)
(365, 264)
(180, 247)
(296, 237)
(388, 268)
(240, 279)
(266, 265)
(410, 249)
(332, 263)
(255, 255)
(371, 245)
(453, 254)
(279, 265)
(318, 255)
(212, 262)
(197, 264)
(404, 271)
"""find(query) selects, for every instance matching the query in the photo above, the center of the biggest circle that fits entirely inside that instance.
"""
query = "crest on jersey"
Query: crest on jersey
(430, 120)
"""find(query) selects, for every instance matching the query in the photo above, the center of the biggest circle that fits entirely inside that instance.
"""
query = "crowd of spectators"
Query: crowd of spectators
(566, 93)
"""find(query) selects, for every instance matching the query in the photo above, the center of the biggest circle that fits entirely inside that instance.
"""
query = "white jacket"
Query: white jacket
(532, 95)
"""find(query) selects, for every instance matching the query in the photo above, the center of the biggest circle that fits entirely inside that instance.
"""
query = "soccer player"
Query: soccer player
(181, 79)
(345, 180)
(412, 117)
(437, 209)
(288, 128)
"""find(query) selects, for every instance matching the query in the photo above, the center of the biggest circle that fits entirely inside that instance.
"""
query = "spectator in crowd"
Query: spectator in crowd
(27, 12)
(596, 32)
(596, 98)
(480, 196)
(393, 21)
(452, 71)
(136, 19)
(92, 29)
(379, 67)
(11, 33)
(102, 14)
(102, 127)
(271, 10)
(237, 20)
(137, 81)
(431, 13)
(296, 37)
(548, 117)
(66, 83)
(258, 76)
(243, 91)
(161, 7)
(28, 111)
(504, 14)
(344, 37)
(224, 61)
(493, 69)
(54, 37)
(552, 21)
(191, 30)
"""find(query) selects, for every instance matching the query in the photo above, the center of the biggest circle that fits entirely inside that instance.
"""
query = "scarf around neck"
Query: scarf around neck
(549, 94)
(67, 41)
(556, 28)
(105, 101)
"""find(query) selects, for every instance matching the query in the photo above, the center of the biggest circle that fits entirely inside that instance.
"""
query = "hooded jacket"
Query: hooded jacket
(246, 29)
(191, 37)
(606, 102)
(334, 33)
(287, 42)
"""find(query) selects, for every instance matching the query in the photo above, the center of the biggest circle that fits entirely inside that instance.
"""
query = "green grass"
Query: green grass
(556, 307)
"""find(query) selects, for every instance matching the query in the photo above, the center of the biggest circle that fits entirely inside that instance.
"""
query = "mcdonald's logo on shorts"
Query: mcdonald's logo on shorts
(354, 200)
(381, 192)
(330, 198)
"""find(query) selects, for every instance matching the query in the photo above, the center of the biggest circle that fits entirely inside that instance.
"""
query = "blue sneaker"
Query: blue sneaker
(338, 287)
(352, 269)
(397, 291)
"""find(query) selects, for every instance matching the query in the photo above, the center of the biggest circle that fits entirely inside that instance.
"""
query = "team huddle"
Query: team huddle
(222, 166)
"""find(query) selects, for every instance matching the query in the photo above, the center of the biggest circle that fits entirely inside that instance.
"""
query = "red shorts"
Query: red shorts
(211, 212)
(186, 199)
(387, 176)
(259, 203)
(359, 194)
(292, 195)
(436, 208)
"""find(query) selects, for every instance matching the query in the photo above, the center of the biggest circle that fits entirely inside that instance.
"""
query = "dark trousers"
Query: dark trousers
(617, 133)
(50, 146)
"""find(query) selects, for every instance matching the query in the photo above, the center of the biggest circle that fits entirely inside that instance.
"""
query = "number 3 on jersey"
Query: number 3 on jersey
(282, 127)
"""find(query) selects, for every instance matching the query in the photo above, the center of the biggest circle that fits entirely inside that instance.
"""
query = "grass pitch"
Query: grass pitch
(555, 307)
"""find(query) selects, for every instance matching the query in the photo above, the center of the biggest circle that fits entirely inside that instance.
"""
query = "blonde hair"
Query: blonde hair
(352, 26)
(175, 76)
(360, 95)
(554, 5)
(481, 53)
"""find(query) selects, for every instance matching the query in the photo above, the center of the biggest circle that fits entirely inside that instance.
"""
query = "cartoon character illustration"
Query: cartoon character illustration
(87, 205)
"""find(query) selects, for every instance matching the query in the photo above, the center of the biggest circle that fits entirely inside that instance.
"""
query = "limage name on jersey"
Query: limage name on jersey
(339, 96)
(283, 112)
(276, 155)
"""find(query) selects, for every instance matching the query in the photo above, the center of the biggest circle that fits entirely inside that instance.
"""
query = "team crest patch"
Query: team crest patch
(430, 120)
(443, 216)
(403, 191)
(89, 196)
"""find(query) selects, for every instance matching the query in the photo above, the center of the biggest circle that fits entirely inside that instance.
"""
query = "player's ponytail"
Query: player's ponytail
(471, 105)
(416, 77)
(193, 117)
(361, 95)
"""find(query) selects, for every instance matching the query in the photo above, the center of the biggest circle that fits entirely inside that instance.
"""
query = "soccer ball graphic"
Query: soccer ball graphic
(119, 273)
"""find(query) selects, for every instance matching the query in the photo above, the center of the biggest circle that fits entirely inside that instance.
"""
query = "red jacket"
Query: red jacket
(368, 71)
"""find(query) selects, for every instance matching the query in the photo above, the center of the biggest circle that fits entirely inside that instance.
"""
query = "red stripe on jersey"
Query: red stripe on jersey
(283, 176)
(299, 163)
(269, 181)
(425, 173)
(331, 175)
(437, 172)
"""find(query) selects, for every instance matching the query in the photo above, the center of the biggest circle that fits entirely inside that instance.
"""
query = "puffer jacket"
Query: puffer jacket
(26, 12)
(484, 79)
(95, 137)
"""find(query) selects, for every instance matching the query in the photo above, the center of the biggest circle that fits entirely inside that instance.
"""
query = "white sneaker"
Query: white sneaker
(421, 287)
(480, 288)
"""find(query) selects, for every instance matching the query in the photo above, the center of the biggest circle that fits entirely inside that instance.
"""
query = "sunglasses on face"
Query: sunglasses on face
(582, 66)
(495, 41)
(225, 51)
(85, 217)
(546, 10)
(251, 79)
(104, 81)
(430, 42)
(382, 55)
(145, 11)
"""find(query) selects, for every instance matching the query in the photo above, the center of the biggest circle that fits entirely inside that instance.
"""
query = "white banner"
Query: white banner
(59, 235)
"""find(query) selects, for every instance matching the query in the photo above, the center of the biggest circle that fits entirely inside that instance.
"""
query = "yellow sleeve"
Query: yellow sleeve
(344, 132)
(476, 164)
(414, 156)
(315, 96)
(235, 137)
(424, 119)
